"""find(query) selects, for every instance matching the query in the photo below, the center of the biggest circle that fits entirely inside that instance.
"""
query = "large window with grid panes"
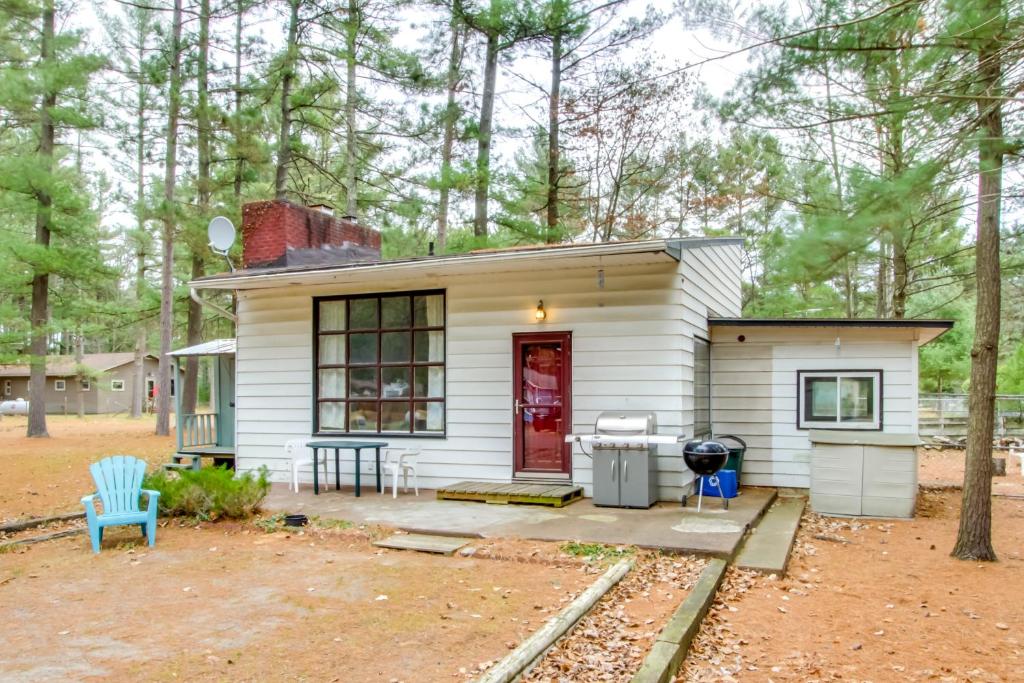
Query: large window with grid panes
(380, 364)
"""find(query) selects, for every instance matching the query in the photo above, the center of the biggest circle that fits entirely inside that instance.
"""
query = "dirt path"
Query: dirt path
(874, 600)
(946, 468)
(47, 476)
(610, 643)
(227, 602)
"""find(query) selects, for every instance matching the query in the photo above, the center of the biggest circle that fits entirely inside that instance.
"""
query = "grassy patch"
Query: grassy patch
(326, 523)
(596, 551)
(270, 524)
(209, 493)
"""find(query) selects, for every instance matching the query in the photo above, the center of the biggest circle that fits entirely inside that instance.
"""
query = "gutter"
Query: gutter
(832, 322)
(672, 248)
(223, 312)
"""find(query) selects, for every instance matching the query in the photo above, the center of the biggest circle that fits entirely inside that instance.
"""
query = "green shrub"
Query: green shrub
(209, 493)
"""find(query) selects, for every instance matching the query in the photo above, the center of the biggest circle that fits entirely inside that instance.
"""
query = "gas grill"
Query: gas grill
(625, 466)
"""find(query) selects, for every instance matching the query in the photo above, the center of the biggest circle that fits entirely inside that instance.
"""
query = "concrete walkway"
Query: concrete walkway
(666, 526)
(767, 548)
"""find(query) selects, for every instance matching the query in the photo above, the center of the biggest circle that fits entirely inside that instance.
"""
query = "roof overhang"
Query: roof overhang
(923, 330)
(216, 347)
(482, 263)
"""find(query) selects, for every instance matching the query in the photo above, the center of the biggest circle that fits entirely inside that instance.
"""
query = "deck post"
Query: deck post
(177, 402)
(215, 393)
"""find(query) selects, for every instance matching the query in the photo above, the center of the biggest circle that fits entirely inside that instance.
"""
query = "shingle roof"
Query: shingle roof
(482, 259)
(64, 366)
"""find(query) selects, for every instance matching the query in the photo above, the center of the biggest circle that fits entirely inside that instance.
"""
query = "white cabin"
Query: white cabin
(450, 354)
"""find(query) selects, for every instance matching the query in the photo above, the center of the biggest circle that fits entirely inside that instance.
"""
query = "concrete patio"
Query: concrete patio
(666, 526)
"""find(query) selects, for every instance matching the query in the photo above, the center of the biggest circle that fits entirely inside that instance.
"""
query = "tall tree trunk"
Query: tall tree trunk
(284, 142)
(351, 156)
(848, 287)
(141, 335)
(239, 164)
(194, 323)
(193, 335)
(79, 358)
(139, 365)
(40, 313)
(900, 270)
(451, 118)
(163, 401)
(974, 538)
(882, 282)
(554, 97)
(483, 146)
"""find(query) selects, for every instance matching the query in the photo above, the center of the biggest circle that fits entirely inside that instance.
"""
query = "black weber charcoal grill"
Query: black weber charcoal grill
(706, 458)
(625, 467)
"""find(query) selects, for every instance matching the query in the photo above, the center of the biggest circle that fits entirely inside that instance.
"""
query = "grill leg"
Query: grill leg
(700, 495)
(716, 482)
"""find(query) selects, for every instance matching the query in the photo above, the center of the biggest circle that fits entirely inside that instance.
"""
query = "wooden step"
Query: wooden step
(424, 543)
(553, 494)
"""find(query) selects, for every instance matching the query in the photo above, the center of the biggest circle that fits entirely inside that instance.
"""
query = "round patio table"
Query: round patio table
(356, 446)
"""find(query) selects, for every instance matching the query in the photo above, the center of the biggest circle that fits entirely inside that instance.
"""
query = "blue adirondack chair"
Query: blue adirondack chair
(119, 485)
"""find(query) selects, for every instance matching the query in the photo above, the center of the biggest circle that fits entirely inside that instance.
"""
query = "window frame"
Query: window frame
(60, 385)
(115, 381)
(85, 385)
(878, 421)
(379, 365)
(708, 428)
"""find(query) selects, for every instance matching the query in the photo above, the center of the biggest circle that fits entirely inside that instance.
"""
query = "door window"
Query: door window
(541, 403)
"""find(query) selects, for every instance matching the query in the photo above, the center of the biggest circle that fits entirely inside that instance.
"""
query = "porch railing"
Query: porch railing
(198, 429)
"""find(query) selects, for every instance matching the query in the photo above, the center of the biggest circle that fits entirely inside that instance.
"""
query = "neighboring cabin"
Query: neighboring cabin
(109, 390)
(485, 361)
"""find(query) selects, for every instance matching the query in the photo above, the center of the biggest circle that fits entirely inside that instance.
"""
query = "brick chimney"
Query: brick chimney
(278, 233)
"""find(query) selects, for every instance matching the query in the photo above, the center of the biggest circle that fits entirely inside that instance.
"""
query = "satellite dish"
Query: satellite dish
(222, 234)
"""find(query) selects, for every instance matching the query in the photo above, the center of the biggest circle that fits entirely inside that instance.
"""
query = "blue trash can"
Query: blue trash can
(727, 482)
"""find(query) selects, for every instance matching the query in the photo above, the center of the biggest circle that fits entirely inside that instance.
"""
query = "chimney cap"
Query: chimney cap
(323, 208)
(351, 218)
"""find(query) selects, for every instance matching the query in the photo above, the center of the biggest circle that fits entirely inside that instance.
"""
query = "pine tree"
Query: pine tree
(169, 220)
(46, 74)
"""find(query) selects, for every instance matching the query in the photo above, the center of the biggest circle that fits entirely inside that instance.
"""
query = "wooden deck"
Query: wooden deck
(191, 457)
(554, 495)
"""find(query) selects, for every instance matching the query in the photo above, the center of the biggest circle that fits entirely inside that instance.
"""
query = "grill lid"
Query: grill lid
(620, 423)
(705, 457)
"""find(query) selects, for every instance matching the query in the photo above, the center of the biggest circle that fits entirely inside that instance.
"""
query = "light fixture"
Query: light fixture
(540, 314)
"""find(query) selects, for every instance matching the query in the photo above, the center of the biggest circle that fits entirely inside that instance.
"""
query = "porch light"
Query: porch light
(540, 313)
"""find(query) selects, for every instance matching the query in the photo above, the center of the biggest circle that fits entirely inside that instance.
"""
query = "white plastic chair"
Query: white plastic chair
(301, 456)
(404, 461)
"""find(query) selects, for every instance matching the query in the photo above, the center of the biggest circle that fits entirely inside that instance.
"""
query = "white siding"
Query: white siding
(711, 287)
(754, 390)
(632, 349)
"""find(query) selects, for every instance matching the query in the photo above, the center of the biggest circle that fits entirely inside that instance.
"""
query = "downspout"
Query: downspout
(223, 312)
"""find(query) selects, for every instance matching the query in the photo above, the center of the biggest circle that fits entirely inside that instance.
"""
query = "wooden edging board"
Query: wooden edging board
(40, 539)
(22, 524)
(531, 650)
(670, 648)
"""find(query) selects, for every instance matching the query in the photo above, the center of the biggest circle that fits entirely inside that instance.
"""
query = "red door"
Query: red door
(542, 397)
